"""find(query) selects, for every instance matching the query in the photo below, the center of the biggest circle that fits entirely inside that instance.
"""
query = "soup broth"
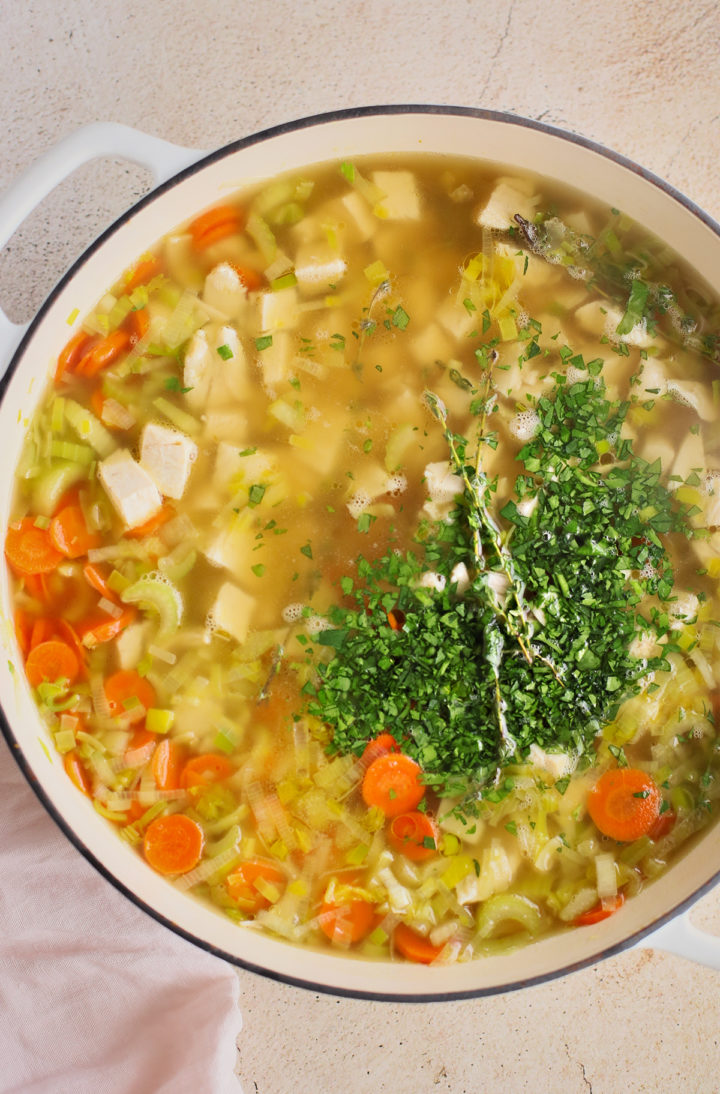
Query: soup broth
(366, 558)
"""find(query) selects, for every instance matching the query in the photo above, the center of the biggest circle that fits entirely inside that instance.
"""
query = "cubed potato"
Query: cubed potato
(232, 611)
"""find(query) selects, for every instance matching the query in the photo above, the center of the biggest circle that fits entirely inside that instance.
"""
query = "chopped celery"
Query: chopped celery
(357, 855)
(184, 422)
(109, 814)
(64, 740)
(74, 453)
(154, 593)
(267, 889)
(57, 418)
(89, 428)
(288, 214)
(261, 233)
(508, 328)
(215, 802)
(227, 738)
(158, 720)
(503, 908)
(376, 272)
(285, 282)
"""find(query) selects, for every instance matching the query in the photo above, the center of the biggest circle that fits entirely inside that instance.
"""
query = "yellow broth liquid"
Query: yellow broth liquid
(328, 423)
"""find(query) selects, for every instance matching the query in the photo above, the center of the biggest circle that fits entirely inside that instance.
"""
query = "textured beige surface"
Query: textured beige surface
(642, 77)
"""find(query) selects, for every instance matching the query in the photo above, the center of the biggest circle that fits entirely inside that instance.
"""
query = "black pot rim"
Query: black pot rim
(15, 746)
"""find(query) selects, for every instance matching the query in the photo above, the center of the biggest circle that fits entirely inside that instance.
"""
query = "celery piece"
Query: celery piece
(474, 268)
(64, 740)
(118, 582)
(378, 937)
(261, 233)
(154, 594)
(158, 720)
(57, 417)
(357, 855)
(503, 908)
(176, 570)
(449, 844)
(214, 802)
(267, 889)
(42, 522)
(119, 311)
(290, 213)
(291, 416)
(184, 422)
(109, 814)
(226, 739)
(89, 428)
(508, 328)
(74, 453)
(285, 282)
(376, 272)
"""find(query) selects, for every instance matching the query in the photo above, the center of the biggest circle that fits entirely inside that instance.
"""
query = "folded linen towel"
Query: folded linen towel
(95, 996)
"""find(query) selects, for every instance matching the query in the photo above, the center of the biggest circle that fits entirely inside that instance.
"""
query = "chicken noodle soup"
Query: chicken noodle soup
(366, 558)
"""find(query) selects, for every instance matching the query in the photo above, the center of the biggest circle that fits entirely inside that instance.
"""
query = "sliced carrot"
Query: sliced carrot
(29, 549)
(102, 627)
(148, 267)
(241, 883)
(36, 586)
(624, 803)
(103, 353)
(78, 775)
(97, 402)
(396, 619)
(414, 946)
(71, 353)
(137, 324)
(208, 768)
(135, 812)
(125, 685)
(43, 630)
(214, 225)
(252, 279)
(95, 576)
(380, 746)
(152, 524)
(347, 922)
(67, 632)
(174, 844)
(601, 910)
(663, 825)
(167, 764)
(415, 835)
(69, 533)
(141, 739)
(51, 661)
(23, 630)
(392, 782)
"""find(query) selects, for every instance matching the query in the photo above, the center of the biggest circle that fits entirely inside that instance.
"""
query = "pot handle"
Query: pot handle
(683, 938)
(90, 142)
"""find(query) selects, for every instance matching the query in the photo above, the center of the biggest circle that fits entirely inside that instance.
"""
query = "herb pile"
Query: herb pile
(536, 650)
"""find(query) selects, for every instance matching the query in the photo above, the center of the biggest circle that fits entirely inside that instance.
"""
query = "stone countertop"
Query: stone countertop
(641, 77)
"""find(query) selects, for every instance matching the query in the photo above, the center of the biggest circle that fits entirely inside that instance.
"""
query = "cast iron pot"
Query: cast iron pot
(187, 182)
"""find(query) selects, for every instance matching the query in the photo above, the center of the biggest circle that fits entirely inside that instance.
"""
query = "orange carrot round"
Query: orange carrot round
(69, 533)
(348, 921)
(382, 744)
(166, 765)
(208, 768)
(43, 629)
(414, 946)
(392, 782)
(23, 630)
(415, 835)
(128, 684)
(51, 661)
(139, 741)
(214, 225)
(103, 353)
(601, 910)
(29, 549)
(174, 844)
(241, 883)
(624, 803)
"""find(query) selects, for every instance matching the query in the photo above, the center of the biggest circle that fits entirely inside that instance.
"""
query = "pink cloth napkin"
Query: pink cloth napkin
(95, 996)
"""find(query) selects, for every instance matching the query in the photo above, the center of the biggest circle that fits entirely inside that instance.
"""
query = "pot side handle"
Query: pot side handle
(684, 939)
(90, 142)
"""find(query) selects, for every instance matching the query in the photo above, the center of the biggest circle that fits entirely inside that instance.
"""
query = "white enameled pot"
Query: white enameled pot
(187, 182)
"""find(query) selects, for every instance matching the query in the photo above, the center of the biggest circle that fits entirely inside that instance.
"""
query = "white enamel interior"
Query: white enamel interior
(503, 141)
